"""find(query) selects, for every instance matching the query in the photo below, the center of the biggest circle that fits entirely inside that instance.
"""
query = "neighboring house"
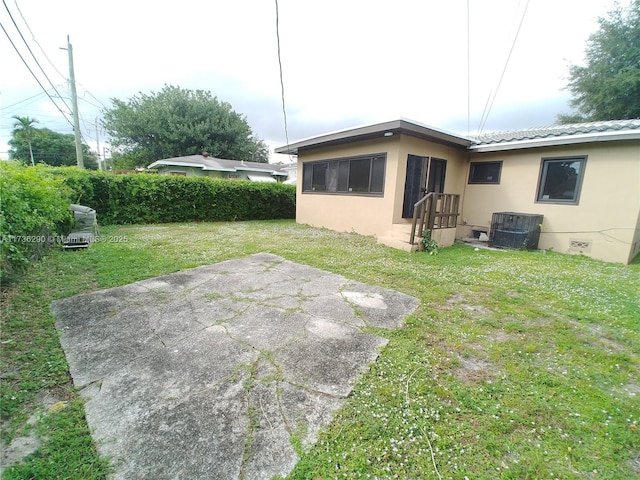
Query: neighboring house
(207, 166)
(579, 183)
(292, 173)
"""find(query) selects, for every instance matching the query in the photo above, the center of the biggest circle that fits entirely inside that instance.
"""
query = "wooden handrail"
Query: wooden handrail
(434, 210)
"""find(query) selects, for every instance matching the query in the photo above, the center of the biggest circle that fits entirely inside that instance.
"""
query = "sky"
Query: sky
(345, 63)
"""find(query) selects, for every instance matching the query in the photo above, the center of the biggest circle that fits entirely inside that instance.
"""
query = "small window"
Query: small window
(357, 175)
(561, 179)
(485, 172)
(177, 173)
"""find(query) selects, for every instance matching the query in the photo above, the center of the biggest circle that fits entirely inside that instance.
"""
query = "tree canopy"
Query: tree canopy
(608, 86)
(176, 122)
(47, 146)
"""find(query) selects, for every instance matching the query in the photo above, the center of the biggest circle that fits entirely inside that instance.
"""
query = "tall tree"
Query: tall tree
(47, 146)
(23, 128)
(608, 86)
(176, 122)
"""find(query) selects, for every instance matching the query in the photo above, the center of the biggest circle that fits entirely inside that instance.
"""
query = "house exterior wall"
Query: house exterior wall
(607, 213)
(364, 214)
(199, 172)
(454, 176)
(190, 171)
(368, 214)
(606, 217)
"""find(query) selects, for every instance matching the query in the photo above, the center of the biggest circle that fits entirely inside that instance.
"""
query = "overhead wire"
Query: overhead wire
(33, 74)
(491, 99)
(284, 110)
(33, 56)
(33, 37)
(468, 70)
(93, 96)
(53, 87)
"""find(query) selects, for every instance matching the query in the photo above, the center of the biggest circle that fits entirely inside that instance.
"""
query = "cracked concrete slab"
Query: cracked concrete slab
(218, 371)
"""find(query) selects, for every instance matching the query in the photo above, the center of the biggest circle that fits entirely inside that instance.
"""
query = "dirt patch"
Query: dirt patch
(20, 447)
(539, 322)
(596, 336)
(634, 463)
(459, 300)
(499, 337)
(631, 389)
(474, 370)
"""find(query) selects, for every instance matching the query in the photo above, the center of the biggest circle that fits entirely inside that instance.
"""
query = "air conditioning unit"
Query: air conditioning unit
(515, 230)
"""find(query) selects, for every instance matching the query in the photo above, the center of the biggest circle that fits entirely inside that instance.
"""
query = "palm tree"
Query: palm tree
(23, 127)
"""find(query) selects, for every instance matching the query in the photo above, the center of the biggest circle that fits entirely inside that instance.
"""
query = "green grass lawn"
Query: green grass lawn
(516, 364)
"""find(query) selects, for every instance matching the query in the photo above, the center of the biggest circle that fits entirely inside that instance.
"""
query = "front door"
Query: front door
(424, 175)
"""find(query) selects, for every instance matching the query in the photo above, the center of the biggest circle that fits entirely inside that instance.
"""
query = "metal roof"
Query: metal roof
(558, 135)
(218, 164)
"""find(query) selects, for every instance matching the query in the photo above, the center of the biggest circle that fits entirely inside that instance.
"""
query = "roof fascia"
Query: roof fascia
(557, 141)
(166, 163)
(379, 130)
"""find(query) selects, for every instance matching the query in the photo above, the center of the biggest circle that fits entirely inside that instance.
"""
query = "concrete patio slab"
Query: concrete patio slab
(211, 372)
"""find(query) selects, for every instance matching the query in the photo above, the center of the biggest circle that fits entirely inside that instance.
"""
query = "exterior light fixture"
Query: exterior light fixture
(388, 134)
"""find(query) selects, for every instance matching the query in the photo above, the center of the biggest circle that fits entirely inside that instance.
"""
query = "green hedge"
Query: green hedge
(34, 204)
(149, 198)
(34, 209)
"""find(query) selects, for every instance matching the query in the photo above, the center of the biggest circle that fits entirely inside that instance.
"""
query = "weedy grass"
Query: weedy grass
(517, 364)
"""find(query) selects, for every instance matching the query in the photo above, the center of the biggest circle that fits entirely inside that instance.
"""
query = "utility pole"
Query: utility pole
(100, 165)
(74, 105)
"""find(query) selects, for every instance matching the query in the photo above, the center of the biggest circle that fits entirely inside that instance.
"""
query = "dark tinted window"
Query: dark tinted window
(561, 179)
(346, 175)
(319, 177)
(485, 172)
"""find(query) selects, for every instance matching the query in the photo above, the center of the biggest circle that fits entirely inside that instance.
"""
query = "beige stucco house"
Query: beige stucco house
(570, 188)
(207, 166)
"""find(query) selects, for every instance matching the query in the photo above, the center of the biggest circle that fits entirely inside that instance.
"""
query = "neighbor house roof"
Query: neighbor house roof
(378, 130)
(558, 135)
(207, 163)
(488, 142)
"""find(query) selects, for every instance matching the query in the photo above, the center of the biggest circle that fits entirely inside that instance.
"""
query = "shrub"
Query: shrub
(34, 206)
(141, 198)
(428, 243)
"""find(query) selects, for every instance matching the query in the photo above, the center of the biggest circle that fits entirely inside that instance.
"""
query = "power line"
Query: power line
(33, 37)
(92, 95)
(468, 70)
(485, 114)
(33, 97)
(284, 110)
(87, 101)
(33, 74)
(32, 55)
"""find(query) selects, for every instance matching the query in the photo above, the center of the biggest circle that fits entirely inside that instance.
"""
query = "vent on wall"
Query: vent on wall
(580, 246)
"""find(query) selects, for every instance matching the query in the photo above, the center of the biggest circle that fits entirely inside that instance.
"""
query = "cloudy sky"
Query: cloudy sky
(345, 62)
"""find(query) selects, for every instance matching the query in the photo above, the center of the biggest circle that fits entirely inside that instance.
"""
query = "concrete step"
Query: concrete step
(399, 230)
(397, 243)
(398, 237)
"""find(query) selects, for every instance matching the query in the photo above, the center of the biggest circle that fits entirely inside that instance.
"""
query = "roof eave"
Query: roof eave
(555, 141)
(164, 163)
(379, 130)
(218, 169)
